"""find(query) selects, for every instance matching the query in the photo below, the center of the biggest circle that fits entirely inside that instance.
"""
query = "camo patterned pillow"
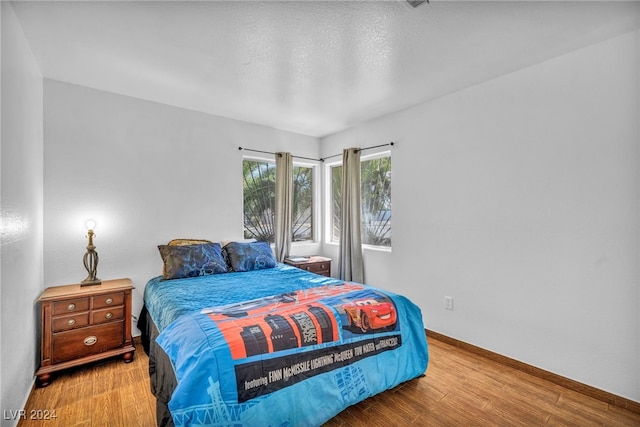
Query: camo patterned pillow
(184, 242)
(250, 256)
(192, 260)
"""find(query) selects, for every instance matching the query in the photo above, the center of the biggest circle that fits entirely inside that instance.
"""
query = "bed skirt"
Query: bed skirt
(161, 375)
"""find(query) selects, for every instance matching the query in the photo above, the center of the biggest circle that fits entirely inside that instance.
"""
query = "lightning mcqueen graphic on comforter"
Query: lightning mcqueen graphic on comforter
(296, 358)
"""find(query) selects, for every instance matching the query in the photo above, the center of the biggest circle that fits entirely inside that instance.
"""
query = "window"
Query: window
(259, 194)
(336, 202)
(375, 182)
(302, 220)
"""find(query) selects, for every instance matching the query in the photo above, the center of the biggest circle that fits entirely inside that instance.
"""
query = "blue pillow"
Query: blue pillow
(192, 260)
(250, 256)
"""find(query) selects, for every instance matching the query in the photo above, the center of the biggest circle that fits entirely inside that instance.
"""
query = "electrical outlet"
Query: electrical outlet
(448, 303)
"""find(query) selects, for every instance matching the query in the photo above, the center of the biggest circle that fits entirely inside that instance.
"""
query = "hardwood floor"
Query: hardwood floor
(459, 389)
(463, 389)
(108, 393)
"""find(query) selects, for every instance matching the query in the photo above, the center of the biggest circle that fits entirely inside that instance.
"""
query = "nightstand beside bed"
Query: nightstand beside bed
(84, 324)
(314, 264)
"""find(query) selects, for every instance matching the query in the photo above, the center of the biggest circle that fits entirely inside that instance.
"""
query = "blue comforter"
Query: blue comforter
(281, 347)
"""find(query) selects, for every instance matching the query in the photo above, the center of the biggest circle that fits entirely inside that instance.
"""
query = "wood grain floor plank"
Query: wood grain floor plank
(621, 416)
(107, 410)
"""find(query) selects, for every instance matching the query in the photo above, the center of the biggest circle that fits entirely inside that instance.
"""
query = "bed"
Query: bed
(251, 342)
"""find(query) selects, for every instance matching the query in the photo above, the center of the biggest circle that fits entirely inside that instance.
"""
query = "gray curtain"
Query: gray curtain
(350, 266)
(284, 205)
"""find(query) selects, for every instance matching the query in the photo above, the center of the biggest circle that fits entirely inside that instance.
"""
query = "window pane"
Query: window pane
(302, 203)
(259, 199)
(376, 201)
(259, 187)
(336, 202)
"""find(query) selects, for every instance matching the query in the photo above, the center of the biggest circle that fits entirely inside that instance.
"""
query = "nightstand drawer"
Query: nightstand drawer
(65, 323)
(86, 341)
(107, 300)
(313, 264)
(70, 306)
(107, 315)
(319, 267)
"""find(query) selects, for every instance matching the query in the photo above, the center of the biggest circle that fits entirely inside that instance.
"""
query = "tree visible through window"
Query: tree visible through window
(259, 198)
(375, 188)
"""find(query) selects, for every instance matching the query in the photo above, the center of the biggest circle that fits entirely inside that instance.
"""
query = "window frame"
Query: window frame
(315, 194)
(328, 198)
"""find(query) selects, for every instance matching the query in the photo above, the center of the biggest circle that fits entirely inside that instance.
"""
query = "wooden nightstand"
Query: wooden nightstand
(82, 324)
(314, 264)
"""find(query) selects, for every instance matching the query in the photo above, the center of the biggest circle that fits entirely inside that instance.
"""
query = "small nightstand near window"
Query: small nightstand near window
(315, 264)
(83, 324)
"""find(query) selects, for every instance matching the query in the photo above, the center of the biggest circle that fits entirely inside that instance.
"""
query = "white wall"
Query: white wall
(21, 210)
(147, 173)
(519, 197)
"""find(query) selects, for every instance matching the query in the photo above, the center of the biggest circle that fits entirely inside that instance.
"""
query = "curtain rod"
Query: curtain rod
(278, 154)
(317, 160)
(360, 149)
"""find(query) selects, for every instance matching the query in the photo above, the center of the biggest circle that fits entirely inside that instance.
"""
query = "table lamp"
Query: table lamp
(90, 258)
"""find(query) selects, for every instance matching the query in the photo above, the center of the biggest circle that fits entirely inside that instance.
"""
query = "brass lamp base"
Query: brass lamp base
(90, 261)
(87, 282)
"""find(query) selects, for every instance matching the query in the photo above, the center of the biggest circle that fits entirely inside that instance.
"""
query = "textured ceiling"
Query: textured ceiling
(306, 66)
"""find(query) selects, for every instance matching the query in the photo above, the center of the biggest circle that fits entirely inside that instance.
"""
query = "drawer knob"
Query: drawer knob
(71, 322)
(91, 340)
(71, 307)
(109, 300)
(108, 315)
